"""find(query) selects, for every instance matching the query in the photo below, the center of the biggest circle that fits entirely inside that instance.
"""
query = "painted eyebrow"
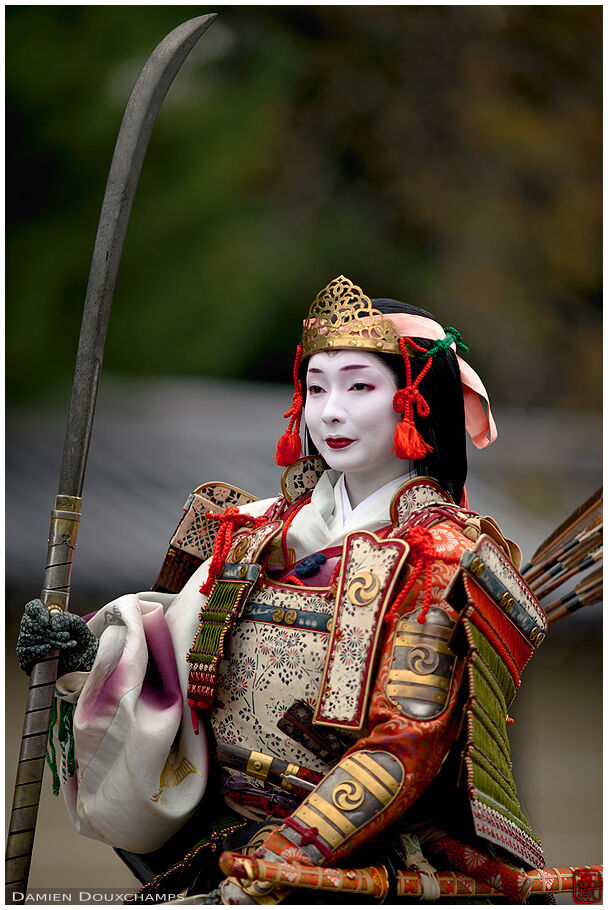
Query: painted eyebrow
(353, 366)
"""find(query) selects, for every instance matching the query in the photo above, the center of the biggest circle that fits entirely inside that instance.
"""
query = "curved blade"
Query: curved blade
(135, 131)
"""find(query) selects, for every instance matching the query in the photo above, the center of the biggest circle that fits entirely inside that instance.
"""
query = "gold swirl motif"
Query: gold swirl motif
(239, 549)
(423, 659)
(363, 589)
(348, 795)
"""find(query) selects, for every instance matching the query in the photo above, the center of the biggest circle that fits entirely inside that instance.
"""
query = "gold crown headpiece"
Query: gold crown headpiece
(342, 316)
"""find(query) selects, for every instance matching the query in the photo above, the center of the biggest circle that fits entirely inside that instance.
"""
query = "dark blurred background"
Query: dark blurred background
(447, 156)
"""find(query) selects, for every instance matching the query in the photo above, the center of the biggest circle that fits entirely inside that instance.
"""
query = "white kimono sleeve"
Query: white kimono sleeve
(140, 769)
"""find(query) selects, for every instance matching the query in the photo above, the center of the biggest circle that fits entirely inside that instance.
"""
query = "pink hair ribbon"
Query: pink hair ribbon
(478, 420)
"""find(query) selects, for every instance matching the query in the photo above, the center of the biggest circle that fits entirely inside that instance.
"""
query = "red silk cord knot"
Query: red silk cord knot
(297, 404)
(405, 398)
(422, 554)
(229, 521)
(309, 836)
(233, 515)
(421, 543)
(407, 441)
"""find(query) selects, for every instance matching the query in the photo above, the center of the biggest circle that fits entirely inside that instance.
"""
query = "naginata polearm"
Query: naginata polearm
(136, 128)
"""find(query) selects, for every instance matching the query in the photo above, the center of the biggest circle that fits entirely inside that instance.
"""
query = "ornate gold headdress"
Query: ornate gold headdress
(342, 316)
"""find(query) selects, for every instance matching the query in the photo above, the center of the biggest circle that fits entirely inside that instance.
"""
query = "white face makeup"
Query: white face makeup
(349, 415)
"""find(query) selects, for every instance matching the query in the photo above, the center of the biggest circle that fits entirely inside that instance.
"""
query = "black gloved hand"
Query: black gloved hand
(42, 631)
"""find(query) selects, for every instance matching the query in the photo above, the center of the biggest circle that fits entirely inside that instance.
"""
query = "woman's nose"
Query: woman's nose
(333, 412)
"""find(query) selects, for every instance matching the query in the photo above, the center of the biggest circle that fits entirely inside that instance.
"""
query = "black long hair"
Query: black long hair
(444, 428)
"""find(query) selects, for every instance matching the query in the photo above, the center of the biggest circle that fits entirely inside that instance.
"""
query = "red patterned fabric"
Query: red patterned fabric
(513, 883)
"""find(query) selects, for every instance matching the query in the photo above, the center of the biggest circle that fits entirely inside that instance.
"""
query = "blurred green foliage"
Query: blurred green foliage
(448, 156)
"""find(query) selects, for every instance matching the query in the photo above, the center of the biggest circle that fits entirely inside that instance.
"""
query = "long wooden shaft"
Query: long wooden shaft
(580, 515)
(54, 595)
(565, 552)
(580, 547)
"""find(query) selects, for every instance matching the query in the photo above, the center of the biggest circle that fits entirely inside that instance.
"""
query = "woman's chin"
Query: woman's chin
(341, 459)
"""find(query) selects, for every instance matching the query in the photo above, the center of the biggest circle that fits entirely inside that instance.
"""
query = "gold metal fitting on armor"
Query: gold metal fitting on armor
(239, 549)
(356, 790)
(348, 795)
(342, 317)
(536, 636)
(259, 765)
(292, 770)
(507, 601)
(363, 589)
(477, 567)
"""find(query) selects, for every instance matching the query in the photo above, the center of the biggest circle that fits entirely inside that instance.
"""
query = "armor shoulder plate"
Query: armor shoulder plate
(421, 502)
(415, 494)
(192, 542)
(498, 597)
(302, 477)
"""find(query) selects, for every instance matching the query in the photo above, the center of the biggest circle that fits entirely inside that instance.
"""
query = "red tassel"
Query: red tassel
(408, 443)
(193, 715)
(422, 552)
(289, 447)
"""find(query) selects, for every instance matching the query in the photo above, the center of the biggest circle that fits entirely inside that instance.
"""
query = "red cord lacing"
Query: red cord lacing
(422, 553)
(293, 580)
(309, 836)
(229, 521)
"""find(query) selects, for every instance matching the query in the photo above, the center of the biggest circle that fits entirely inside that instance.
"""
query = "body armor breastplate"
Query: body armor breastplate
(277, 654)
(284, 648)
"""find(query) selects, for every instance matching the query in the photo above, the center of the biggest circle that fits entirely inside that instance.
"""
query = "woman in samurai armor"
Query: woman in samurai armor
(321, 679)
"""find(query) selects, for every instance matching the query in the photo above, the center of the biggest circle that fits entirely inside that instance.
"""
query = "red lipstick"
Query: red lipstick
(338, 442)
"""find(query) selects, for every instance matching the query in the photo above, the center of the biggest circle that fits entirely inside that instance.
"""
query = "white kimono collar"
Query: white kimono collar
(322, 523)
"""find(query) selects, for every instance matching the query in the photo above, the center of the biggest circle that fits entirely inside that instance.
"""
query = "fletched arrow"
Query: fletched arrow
(575, 547)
